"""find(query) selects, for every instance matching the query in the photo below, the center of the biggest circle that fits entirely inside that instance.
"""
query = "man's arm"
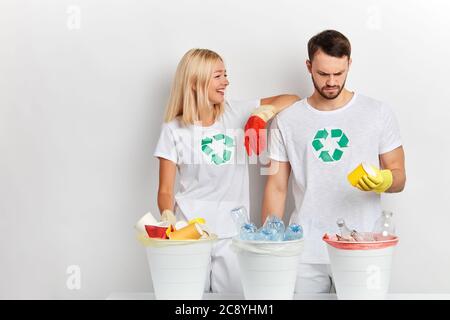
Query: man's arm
(395, 161)
(276, 189)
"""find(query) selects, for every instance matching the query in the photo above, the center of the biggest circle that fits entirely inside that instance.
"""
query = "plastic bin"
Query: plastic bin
(268, 268)
(361, 270)
(178, 267)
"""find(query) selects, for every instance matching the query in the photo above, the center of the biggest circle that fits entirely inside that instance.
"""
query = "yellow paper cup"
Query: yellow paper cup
(169, 230)
(360, 171)
(197, 220)
(190, 232)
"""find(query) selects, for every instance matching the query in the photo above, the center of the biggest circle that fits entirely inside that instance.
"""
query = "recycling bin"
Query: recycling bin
(178, 267)
(268, 268)
(361, 270)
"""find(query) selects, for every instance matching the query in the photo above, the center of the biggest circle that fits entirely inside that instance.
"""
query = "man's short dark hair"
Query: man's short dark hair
(331, 42)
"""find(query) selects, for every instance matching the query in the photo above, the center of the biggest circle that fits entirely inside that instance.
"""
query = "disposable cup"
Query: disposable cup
(360, 171)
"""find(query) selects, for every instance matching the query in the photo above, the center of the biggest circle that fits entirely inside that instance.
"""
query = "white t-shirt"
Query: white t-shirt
(322, 148)
(212, 164)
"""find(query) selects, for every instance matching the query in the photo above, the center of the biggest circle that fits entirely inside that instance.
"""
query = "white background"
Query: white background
(83, 89)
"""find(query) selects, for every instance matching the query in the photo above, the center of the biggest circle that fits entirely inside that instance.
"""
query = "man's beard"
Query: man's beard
(326, 96)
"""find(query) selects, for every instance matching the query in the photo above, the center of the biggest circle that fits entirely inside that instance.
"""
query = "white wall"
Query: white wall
(81, 107)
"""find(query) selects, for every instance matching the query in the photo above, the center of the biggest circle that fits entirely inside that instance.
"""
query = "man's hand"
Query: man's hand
(255, 140)
(379, 182)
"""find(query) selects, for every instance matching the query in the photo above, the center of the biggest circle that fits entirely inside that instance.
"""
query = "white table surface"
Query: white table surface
(216, 296)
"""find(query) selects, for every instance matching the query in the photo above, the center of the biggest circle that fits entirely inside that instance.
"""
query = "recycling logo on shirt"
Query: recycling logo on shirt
(329, 144)
(218, 148)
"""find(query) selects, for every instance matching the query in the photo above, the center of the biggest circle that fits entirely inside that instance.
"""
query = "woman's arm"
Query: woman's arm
(167, 173)
(255, 128)
(280, 102)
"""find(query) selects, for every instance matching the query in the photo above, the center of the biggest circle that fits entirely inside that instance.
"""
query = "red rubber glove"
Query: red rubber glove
(255, 139)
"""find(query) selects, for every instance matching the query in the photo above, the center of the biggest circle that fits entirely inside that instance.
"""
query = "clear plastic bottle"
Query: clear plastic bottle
(273, 228)
(248, 231)
(273, 222)
(293, 232)
(240, 217)
(384, 224)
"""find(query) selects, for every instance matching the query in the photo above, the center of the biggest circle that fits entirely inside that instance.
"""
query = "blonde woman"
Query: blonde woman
(202, 139)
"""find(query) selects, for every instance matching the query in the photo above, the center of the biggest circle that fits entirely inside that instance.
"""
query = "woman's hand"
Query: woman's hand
(255, 136)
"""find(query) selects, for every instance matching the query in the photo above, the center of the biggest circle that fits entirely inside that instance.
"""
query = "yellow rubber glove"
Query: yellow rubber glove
(380, 182)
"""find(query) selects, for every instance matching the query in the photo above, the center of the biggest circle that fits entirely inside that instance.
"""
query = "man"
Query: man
(322, 138)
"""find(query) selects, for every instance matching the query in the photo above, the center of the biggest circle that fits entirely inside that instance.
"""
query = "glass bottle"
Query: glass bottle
(346, 233)
(384, 224)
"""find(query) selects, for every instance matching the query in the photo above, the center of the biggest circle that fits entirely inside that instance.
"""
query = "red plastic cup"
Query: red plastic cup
(156, 231)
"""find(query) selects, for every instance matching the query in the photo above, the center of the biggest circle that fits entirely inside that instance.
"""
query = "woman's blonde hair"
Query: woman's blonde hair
(190, 87)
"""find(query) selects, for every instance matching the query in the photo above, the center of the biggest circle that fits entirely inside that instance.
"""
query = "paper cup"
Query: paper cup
(268, 276)
(179, 270)
(361, 270)
(156, 232)
(360, 171)
(191, 231)
(197, 220)
(146, 219)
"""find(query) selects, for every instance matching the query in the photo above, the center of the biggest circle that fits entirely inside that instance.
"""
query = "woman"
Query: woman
(202, 139)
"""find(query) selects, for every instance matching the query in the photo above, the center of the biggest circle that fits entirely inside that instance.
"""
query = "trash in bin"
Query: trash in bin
(272, 230)
(179, 263)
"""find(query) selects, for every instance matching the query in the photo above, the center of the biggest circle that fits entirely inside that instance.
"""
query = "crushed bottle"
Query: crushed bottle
(272, 230)
(293, 232)
(248, 231)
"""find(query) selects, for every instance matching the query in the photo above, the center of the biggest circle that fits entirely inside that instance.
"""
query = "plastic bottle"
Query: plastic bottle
(384, 224)
(248, 232)
(293, 232)
(273, 228)
(240, 217)
(273, 222)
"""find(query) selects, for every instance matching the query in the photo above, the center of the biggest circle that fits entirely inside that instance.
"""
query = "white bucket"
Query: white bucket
(179, 268)
(361, 270)
(268, 268)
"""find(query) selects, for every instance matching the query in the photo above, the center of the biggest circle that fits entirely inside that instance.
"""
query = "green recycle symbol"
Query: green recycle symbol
(215, 158)
(325, 155)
